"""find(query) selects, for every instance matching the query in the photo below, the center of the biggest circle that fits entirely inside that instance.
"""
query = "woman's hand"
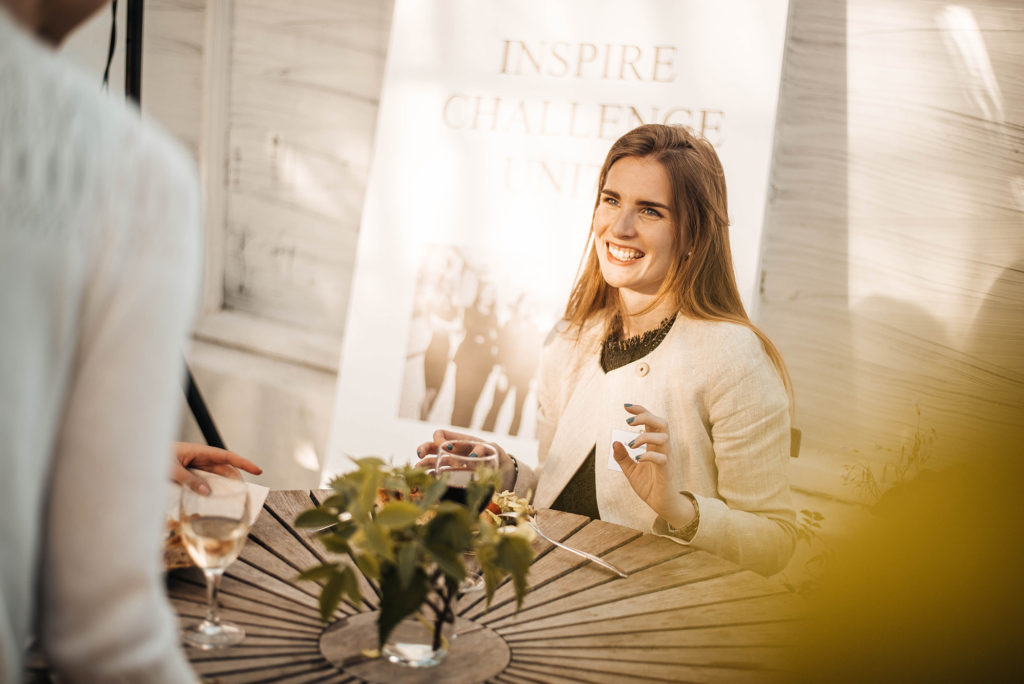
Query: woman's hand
(210, 459)
(649, 474)
(428, 450)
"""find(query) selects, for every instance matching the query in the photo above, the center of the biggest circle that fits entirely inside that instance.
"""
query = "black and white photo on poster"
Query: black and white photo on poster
(473, 348)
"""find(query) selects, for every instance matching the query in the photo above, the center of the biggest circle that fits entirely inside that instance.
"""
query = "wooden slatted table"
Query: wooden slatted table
(682, 615)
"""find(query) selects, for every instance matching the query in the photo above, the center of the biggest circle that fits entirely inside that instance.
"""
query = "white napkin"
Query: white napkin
(257, 495)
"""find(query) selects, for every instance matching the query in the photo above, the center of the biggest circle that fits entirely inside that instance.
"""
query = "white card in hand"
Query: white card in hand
(624, 436)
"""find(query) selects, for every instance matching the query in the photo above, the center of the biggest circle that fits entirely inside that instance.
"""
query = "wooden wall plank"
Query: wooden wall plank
(893, 246)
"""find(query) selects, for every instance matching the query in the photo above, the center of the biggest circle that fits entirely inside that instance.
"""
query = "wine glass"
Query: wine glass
(463, 461)
(214, 527)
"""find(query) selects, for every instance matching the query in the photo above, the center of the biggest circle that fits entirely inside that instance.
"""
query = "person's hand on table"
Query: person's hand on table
(210, 459)
(428, 451)
(648, 475)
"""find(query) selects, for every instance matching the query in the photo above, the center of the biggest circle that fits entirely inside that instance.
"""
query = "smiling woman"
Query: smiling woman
(662, 407)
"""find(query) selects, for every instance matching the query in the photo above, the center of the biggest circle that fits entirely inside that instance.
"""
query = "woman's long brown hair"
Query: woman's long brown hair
(701, 285)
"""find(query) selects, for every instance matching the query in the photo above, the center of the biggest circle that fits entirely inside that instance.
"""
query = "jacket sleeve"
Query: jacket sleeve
(551, 386)
(104, 612)
(752, 521)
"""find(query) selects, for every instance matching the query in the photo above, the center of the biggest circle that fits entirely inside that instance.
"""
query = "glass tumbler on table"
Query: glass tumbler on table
(214, 527)
(462, 461)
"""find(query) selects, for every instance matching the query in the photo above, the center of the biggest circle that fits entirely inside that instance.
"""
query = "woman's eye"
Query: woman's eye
(611, 200)
(653, 213)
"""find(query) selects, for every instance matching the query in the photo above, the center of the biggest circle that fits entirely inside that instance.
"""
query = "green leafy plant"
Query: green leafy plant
(391, 524)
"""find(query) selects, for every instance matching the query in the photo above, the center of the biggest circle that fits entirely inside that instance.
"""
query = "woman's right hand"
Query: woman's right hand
(428, 451)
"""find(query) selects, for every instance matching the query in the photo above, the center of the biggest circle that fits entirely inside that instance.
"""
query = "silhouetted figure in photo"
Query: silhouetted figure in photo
(476, 355)
(443, 317)
(518, 353)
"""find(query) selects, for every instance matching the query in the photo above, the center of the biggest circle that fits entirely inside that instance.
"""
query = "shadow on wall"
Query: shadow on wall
(972, 393)
(997, 344)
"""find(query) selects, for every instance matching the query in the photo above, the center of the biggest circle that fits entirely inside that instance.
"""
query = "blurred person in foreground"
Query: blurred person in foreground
(929, 590)
(656, 353)
(99, 271)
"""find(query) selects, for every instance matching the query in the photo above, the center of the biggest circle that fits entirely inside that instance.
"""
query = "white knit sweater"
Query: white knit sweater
(99, 268)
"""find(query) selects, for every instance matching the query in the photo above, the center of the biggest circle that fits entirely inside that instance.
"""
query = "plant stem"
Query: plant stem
(444, 613)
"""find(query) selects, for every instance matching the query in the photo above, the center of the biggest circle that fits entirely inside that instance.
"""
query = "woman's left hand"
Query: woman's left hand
(649, 475)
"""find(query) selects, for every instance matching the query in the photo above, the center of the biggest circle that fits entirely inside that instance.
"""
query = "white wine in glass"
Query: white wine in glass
(214, 527)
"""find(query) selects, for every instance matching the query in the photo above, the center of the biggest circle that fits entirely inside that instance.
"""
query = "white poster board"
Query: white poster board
(494, 120)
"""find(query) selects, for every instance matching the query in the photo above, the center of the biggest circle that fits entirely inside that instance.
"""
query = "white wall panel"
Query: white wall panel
(304, 81)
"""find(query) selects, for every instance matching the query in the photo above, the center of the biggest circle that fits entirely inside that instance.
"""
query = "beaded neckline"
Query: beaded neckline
(617, 351)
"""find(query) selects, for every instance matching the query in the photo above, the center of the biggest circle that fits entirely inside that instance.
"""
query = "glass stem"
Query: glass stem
(212, 589)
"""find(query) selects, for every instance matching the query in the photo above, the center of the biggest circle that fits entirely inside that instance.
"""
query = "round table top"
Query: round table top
(680, 615)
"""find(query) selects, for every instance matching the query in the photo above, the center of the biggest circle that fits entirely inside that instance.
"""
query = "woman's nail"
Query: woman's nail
(419, 452)
(449, 447)
(202, 488)
(631, 419)
(637, 457)
(627, 405)
(473, 455)
(631, 442)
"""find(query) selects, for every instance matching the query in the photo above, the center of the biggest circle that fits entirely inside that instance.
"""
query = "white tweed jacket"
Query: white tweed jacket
(729, 434)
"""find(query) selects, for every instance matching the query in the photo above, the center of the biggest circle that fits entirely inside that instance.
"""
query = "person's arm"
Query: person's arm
(753, 521)
(104, 613)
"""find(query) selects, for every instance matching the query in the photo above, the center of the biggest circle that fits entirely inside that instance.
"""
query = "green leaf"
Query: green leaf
(450, 508)
(350, 586)
(398, 602)
(476, 493)
(368, 490)
(398, 514)
(338, 501)
(395, 483)
(492, 580)
(368, 565)
(450, 528)
(335, 543)
(369, 463)
(433, 492)
(407, 563)
(378, 541)
(448, 560)
(320, 572)
(338, 483)
(316, 517)
(515, 555)
(330, 596)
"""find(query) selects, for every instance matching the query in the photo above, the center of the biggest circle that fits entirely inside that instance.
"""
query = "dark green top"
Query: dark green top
(580, 493)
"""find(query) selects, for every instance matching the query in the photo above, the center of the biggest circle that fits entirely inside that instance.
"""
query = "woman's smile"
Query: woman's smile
(623, 254)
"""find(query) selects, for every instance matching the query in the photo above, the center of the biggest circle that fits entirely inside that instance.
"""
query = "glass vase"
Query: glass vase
(413, 643)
